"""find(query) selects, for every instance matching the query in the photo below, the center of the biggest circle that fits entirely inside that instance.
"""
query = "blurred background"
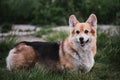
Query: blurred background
(47, 12)
(47, 20)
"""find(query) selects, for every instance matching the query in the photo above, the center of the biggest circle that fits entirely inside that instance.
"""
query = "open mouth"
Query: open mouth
(82, 43)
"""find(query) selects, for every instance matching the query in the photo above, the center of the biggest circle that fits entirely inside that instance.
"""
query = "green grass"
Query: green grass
(43, 31)
(107, 62)
(5, 45)
(56, 36)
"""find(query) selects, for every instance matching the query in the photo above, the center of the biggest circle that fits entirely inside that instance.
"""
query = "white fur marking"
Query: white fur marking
(85, 60)
(9, 61)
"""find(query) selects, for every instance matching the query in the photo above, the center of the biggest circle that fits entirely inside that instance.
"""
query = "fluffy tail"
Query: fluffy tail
(21, 56)
(9, 59)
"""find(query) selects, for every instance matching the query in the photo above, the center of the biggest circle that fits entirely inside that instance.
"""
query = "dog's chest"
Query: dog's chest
(83, 60)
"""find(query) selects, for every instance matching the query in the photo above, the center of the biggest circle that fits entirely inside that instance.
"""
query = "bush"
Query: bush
(57, 12)
(6, 27)
(105, 10)
(112, 49)
(16, 11)
(117, 21)
(109, 48)
(6, 45)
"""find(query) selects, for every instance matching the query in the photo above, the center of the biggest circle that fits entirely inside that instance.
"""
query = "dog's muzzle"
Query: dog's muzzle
(82, 42)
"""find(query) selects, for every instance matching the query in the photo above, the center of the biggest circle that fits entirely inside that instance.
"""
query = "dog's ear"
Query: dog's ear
(92, 20)
(72, 21)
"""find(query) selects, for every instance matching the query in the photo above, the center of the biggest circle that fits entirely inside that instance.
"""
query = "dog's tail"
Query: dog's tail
(9, 59)
(21, 56)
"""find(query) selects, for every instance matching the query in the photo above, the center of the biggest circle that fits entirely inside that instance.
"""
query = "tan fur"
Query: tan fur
(65, 55)
(68, 50)
(82, 26)
(71, 54)
(23, 57)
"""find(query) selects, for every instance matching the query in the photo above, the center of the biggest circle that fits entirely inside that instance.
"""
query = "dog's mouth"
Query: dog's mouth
(82, 43)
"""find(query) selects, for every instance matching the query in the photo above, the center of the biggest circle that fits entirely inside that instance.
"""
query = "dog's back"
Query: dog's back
(26, 54)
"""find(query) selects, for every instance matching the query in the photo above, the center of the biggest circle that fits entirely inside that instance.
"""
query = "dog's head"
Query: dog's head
(83, 34)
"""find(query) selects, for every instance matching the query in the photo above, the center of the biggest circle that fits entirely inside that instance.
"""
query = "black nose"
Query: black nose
(81, 38)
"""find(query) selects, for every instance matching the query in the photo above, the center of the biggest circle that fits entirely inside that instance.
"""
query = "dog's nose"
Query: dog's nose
(81, 38)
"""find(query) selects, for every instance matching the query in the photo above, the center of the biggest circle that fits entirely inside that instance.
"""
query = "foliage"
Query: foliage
(56, 36)
(6, 27)
(6, 44)
(43, 31)
(106, 10)
(57, 12)
(110, 46)
(16, 11)
(112, 49)
(117, 21)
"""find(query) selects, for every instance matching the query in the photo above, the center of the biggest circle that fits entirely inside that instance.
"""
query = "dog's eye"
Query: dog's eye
(77, 32)
(86, 31)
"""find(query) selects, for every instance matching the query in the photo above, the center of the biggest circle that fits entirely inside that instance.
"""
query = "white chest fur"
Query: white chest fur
(83, 60)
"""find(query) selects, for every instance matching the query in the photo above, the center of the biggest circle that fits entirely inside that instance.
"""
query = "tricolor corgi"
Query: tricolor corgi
(76, 52)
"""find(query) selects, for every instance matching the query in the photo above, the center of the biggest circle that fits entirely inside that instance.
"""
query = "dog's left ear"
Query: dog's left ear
(72, 21)
(92, 20)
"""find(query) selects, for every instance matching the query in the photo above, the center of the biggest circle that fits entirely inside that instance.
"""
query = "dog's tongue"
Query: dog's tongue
(82, 44)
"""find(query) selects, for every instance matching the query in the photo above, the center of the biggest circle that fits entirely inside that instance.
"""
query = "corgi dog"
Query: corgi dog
(76, 52)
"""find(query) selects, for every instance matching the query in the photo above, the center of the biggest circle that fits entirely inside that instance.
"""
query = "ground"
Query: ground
(106, 63)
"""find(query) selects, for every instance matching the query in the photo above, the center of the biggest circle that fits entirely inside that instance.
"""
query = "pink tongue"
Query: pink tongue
(82, 44)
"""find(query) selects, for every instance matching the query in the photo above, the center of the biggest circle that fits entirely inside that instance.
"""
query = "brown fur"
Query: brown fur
(66, 47)
(24, 56)
(81, 27)
(65, 58)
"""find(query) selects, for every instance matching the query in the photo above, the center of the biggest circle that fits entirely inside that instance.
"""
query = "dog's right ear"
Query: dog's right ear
(92, 20)
(72, 21)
